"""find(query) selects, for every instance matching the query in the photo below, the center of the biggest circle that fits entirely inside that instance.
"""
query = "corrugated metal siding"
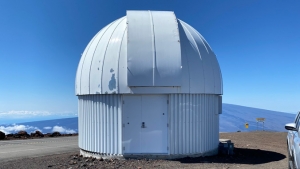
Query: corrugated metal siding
(194, 123)
(100, 124)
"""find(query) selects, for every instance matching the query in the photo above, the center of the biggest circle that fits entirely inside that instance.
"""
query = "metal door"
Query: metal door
(145, 124)
(132, 106)
(154, 117)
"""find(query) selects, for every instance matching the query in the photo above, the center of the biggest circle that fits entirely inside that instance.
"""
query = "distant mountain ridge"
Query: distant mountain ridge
(232, 119)
(65, 125)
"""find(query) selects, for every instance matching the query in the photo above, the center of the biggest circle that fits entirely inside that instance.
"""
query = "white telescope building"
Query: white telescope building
(148, 85)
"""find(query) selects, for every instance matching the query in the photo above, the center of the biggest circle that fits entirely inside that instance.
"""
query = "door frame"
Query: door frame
(168, 124)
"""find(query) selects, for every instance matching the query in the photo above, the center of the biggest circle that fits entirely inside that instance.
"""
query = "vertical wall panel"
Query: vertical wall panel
(100, 125)
(194, 123)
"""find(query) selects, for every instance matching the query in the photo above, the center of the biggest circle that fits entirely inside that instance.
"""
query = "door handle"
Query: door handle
(143, 125)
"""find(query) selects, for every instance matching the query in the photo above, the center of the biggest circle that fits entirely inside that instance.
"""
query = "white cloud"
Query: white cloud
(47, 128)
(16, 128)
(63, 130)
(17, 114)
(23, 113)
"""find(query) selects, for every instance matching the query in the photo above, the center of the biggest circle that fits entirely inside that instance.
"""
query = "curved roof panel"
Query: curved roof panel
(148, 52)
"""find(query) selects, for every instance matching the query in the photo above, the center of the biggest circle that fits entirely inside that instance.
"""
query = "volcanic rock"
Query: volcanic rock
(17, 136)
(2, 135)
(55, 134)
(22, 133)
(10, 135)
(39, 134)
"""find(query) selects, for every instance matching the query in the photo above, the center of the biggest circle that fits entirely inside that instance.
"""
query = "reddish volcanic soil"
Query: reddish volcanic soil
(252, 150)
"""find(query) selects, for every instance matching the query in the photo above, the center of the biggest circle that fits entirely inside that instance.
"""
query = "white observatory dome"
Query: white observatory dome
(148, 85)
(148, 53)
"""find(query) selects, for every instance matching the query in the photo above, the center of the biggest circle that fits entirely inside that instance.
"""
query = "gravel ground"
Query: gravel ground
(252, 150)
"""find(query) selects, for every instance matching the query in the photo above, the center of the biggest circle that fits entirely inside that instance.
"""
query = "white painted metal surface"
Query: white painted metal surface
(194, 124)
(145, 124)
(167, 49)
(198, 57)
(156, 61)
(140, 49)
(100, 124)
(103, 65)
(192, 119)
(132, 117)
(148, 67)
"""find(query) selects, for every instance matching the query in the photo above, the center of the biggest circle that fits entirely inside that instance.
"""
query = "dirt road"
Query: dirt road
(252, 150)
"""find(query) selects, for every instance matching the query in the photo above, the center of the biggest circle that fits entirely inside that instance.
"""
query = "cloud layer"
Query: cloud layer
(21, 116)
(16, 128)
(63, 130)
(23, 113)
(26, 114)
(30, 129)
(47, 128)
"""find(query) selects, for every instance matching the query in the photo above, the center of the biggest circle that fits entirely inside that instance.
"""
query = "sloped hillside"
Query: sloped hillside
(65, 125)
(234, 117)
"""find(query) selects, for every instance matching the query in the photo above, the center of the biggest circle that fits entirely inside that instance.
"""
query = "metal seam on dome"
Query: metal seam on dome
(94, 54)
(119, 57)
(106, 50)
(210, 62)
(88, 47)
(91, 42)
(215, 58)
(221, 79)
(193, 40)
(199, 37)
(204, 86)
(154, 50)
(101, 47)
(205, 42)
(188, 65)
(203, 70)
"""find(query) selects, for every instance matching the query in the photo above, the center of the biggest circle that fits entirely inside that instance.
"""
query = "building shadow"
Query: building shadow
(240, 156)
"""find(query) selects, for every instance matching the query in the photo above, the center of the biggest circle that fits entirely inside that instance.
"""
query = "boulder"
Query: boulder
(48, 135)
(39, 134)
(22, 133)
(55, 134)
(2, 135)
(17, 136)
(10, 135)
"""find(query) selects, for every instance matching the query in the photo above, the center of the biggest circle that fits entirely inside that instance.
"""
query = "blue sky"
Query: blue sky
(257, 44)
